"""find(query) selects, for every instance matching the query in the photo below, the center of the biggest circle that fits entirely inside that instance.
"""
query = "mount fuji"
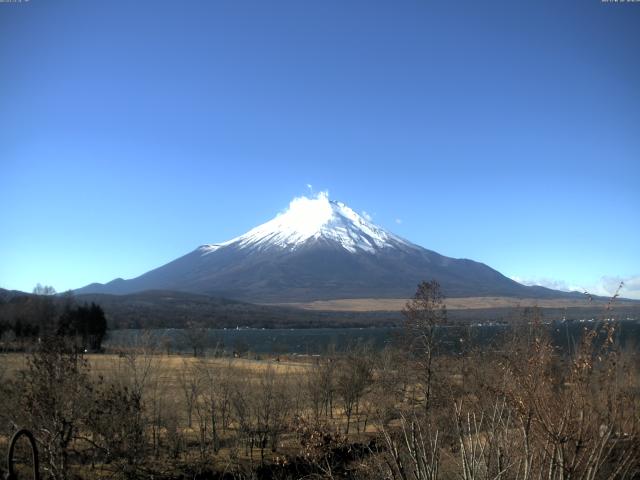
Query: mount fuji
(320, 249)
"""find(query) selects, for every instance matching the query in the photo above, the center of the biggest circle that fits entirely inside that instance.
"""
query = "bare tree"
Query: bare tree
(211, 399)
(196, 337)
(189, 382)
(136, 367)
(320, 385)
(354, 377)
(262, 408)
(43, 290)
(423, 313)
(389, 385)
(225, 390)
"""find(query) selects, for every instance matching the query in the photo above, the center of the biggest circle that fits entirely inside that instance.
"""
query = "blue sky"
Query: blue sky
(506, 132)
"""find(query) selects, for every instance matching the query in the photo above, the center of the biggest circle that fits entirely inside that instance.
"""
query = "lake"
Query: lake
(315, 341)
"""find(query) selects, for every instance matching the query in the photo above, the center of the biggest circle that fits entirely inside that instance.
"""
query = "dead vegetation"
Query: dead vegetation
(523, 409)
(462, 303)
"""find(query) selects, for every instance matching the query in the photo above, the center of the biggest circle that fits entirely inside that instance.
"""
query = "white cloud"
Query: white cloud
(606, 286)
(367, 216)
(544, 282)
(307, 213)
(398, 221)
(630, 287)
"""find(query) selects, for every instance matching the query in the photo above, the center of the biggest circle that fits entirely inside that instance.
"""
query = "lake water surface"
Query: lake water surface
(316, 341)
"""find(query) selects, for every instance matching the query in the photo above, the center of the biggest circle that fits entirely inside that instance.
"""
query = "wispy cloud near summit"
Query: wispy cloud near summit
(606, 286)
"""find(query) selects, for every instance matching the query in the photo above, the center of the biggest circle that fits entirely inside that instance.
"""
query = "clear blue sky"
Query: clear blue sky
(503, 131)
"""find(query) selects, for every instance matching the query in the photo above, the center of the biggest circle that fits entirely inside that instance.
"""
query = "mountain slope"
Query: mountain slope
(319, 249)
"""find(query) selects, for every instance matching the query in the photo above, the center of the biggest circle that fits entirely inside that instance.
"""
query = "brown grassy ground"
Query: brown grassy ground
(457, 380)
(166, 373)
(396, 304)
(173, 365)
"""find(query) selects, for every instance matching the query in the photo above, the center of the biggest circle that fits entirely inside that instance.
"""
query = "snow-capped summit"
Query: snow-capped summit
(318, 249)
(316, 218)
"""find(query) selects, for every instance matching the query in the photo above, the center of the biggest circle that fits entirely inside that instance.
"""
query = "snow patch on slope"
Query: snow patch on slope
(315, 218)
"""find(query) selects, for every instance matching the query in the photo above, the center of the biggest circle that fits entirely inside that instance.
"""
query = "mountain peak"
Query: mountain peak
(319, 249)
(315, 218)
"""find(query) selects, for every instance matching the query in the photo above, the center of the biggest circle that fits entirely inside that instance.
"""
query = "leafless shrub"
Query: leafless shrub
(56, 395)
(318, 446)
(116, 428)
(412, 451)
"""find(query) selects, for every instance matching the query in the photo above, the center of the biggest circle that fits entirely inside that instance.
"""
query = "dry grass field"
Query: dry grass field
(178, 395)
(105, 363)
(167, 372)
(397, 304)
(141, 413)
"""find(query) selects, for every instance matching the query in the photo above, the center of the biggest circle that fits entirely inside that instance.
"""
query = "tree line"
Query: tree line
(28, 319)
